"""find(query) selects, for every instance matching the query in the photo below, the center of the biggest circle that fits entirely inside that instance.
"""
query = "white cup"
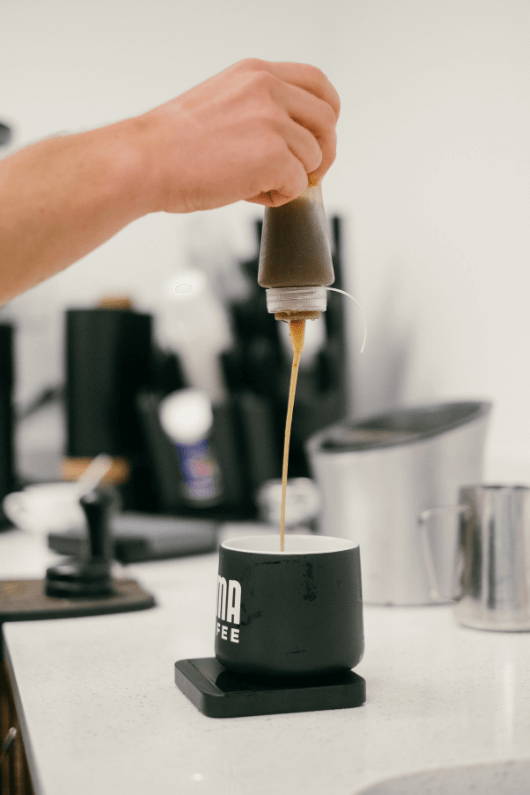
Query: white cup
(45, 507)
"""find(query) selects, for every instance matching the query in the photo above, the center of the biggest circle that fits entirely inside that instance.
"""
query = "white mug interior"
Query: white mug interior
(310, 544)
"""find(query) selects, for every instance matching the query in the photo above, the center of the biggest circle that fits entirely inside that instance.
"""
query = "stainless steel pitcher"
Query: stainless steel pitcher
(376, 477)
(491, 557)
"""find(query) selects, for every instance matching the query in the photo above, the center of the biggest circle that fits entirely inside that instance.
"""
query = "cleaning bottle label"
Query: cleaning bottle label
(201, 479)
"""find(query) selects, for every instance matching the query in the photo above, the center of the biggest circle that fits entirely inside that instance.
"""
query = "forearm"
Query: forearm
(254, 132)
(63, 197)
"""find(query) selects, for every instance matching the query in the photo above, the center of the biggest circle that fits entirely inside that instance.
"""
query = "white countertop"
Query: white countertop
(102, 714)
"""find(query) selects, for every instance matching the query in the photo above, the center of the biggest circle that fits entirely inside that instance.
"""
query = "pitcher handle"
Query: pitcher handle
(434, 586)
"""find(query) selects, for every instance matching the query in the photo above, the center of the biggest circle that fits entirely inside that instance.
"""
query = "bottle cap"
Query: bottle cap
(296, 299)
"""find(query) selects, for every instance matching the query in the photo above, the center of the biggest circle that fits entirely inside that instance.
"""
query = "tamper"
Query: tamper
(90, 577)
(78, 586)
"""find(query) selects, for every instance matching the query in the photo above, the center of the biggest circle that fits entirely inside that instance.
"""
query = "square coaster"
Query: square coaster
(219, 693)
(25, 600)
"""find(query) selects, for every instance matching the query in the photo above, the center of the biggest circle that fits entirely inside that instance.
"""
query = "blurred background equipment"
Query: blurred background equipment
(6, 134)
(376, 477)
(109, 360)
(302, 508)
(208, 394)
(139, 537)
(193, 323)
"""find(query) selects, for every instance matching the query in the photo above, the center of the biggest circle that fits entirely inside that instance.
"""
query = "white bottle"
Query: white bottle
(193, 323)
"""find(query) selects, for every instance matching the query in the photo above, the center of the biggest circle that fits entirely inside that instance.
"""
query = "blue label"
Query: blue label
(200, 473)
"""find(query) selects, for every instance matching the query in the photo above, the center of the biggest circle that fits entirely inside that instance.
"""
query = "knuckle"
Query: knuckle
(273, 115)
(316, 73)
(266, 118)
(249, 64)
(263, 80)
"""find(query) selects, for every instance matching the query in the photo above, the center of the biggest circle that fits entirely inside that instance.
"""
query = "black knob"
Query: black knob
(97, 506)
(90, 578)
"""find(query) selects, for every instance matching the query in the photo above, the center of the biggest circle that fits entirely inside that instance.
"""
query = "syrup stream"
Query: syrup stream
(296, 330)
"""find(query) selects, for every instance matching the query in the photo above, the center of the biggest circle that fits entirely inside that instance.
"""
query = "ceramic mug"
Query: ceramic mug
(45, 507)
(292, 613)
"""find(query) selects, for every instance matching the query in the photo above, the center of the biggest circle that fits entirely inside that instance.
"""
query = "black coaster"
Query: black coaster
(218, 693)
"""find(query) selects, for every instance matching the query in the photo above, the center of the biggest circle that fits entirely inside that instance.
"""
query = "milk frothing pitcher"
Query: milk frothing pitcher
(491, 559)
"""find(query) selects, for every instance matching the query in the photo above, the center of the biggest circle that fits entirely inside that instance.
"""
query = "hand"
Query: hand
(254, 131)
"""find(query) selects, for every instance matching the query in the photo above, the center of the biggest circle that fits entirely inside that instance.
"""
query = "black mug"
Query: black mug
(289, 614)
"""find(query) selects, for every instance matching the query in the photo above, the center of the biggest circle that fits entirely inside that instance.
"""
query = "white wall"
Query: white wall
(432, 171)
(435, 145)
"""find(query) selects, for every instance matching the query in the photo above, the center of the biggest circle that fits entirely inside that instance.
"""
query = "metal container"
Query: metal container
(377, 476)
(492, 557)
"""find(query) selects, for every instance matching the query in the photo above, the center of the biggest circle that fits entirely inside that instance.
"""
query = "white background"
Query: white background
(432, 172)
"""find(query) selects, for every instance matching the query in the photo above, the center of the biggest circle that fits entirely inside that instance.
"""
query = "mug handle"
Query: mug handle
(13, 505)
(432, 576)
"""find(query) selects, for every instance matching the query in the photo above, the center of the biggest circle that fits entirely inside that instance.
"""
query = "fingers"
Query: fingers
(290, 184)
(287, 177)
(308, 97)
(305, 76)
(329, 151)
(316, 116)
(301, 143)
(265, 199)
(311, 79)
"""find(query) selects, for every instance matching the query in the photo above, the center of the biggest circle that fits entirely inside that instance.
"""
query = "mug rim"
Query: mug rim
(301, 544)
(496, 486)
(51, 485)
